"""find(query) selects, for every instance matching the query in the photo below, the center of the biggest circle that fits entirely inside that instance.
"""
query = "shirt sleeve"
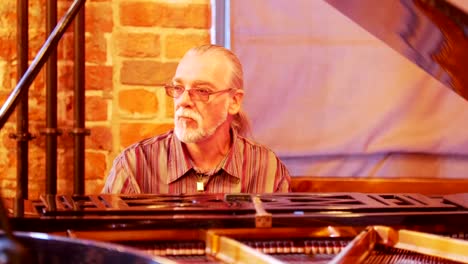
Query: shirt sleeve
(284, 182)
(121, 178)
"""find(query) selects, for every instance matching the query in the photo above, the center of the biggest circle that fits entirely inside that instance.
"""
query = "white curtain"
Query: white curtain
(332, 100)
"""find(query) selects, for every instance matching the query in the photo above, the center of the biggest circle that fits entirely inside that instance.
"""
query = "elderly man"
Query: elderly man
(207, 151)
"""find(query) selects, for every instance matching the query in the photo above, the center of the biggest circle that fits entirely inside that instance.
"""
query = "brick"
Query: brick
(65, 141)
(8, 14)
(141, 14)
(187, 16)
(12, 118)
(6, 73)
(95, 165)
(37, 165)
(36, 40)
(8, 194)
(3, 97)
(138, 101)
(11, 76)
(35, 191)
(98, 17)
(8, 188)
(149, 14)
(96, 48)
(62, 8)
(65, 166)
(94, 186)
(35, 129)
(8, 164)
(142, 72)
(176, 45)
(8, 47)
(65, 108)
(7, 142)
(37, 108)
(65, 186)
(100, 138)
(37, 14)
(169, 107)
(65, 77)
(137, 44)
(38, 85)
(133, 132)
(98, 77)
(12, 80)
(66, 50)
(8, 184)
(96, 108)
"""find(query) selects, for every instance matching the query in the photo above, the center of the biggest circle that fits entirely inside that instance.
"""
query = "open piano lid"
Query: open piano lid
(430, 33)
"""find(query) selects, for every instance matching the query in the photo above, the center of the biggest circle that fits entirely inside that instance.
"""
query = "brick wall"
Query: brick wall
(132, 47)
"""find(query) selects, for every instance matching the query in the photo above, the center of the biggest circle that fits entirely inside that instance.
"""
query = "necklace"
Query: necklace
(204, 177)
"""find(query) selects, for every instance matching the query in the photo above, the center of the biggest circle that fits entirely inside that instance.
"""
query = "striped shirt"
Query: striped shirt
(161, 165)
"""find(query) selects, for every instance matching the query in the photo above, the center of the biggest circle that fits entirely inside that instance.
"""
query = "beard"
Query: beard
(187, 134)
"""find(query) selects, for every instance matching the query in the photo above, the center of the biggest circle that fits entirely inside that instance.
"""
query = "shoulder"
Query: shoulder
(147, 144)
(254, 147)
(265, 163)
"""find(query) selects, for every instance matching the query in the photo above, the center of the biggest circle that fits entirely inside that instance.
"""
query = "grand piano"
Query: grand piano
(351, 225)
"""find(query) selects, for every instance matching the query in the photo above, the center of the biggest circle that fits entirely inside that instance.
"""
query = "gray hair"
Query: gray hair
(240, 122)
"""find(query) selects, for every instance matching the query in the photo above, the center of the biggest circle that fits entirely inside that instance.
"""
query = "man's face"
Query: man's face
(196, 120)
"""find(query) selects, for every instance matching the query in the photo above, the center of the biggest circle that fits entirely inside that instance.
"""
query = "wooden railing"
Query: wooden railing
(47, 53)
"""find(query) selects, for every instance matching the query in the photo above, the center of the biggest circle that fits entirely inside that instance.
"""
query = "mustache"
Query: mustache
(184, 112)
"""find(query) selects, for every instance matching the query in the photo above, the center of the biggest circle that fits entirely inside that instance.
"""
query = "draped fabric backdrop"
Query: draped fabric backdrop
(332, 100)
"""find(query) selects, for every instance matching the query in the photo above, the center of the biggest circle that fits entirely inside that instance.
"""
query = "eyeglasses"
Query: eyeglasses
(196, 94)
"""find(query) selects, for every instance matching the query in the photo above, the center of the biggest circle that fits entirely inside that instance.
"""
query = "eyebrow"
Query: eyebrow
(195, 83)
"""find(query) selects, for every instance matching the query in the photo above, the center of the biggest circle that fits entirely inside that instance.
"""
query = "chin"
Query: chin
(189, 135)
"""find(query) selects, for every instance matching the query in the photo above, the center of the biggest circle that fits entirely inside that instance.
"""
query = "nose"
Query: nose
(184, 100)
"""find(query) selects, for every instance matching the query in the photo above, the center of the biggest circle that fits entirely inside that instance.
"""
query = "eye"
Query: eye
(202, 91)
(178, 88)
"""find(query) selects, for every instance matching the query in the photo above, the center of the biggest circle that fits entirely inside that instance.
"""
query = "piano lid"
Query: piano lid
(430, 33)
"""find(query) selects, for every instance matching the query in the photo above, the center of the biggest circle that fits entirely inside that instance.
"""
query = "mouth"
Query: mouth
(185, 118)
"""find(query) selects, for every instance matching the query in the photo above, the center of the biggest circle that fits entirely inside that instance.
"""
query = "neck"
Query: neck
(207, 154)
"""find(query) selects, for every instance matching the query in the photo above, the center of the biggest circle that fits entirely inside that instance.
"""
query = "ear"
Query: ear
(236, 102)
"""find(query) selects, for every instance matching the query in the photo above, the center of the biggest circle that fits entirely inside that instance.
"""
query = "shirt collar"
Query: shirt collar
(179, 160)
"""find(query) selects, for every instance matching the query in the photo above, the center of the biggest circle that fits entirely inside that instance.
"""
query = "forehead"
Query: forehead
(208, 67)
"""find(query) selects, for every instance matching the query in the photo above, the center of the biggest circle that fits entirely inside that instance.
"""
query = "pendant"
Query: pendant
(200, 186)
